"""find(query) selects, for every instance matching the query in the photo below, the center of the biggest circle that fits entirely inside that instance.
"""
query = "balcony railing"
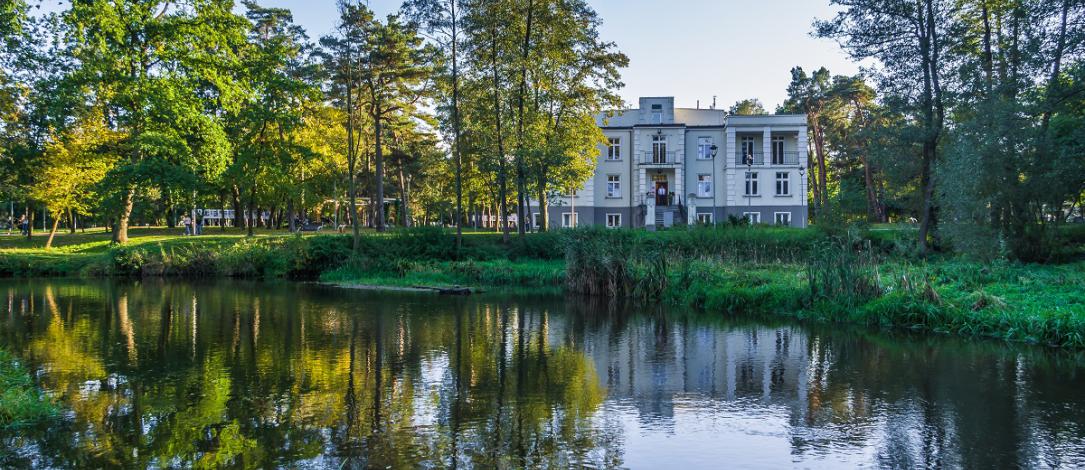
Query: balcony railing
(659, 158)
(758, 158)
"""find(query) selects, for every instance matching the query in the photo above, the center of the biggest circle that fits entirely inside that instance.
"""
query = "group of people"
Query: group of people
(24, 225)
(192, 227)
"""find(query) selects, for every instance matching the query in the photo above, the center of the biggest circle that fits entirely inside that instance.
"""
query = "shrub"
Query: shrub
(126, 260)
(309, 257)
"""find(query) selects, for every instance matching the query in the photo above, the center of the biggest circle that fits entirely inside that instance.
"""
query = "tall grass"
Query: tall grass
(845, 278)
(843, 269)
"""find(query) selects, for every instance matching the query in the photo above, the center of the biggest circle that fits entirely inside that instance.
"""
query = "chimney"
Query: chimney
(698, 104)
(713, 101)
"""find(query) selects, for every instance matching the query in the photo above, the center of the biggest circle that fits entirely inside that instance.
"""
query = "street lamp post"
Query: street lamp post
(715, 150)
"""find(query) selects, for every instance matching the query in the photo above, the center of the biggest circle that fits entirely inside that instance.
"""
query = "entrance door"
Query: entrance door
(661, 193)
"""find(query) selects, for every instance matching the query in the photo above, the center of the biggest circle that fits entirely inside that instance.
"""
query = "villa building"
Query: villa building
(665, 166)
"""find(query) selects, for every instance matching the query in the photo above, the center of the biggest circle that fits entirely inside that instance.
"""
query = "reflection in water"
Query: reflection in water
(179, 375)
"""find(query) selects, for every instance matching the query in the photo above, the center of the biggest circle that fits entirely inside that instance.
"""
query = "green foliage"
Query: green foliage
(747, 107)
(166, 70)
(22, 403)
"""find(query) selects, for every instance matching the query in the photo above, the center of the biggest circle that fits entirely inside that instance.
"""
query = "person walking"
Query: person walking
(187, 222)
(23, 225)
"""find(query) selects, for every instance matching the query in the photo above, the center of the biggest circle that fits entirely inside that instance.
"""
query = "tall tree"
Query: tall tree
(73, 168)
(342, 55)
(1005, 151)
(157, 67)
(909, 40)
(395, 73)
(280, 89)
(491, 52)
(570, 76)
(443, 22)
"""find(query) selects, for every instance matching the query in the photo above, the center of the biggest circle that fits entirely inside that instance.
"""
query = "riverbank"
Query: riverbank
(1013, 302)
(867, 278)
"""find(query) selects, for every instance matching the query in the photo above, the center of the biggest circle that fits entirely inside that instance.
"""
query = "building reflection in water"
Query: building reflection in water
(161, 374)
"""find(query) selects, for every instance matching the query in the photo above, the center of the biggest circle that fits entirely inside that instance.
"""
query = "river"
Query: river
(155, 374)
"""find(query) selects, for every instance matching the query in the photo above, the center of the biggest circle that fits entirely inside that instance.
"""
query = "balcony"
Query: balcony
(653, 158)
(758, 159)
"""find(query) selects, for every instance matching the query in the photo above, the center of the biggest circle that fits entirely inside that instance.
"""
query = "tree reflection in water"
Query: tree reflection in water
(255, 375)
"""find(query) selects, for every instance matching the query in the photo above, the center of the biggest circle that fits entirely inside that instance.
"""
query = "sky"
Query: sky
(690, 49)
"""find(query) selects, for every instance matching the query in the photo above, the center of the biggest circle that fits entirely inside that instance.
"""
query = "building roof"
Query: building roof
(693, 117)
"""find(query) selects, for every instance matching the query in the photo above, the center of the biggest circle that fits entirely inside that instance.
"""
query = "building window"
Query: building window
(657, 114)
(704, 148)
(569, 219)
(751, 183)
(704, 218)
(752, 217)
(783, 183)
(747, 150)
(614, 148)
(614, 220)
(614, 186)
(704, 185)
(536, 220)
(659, 148)
(777, 150)
(783, 218)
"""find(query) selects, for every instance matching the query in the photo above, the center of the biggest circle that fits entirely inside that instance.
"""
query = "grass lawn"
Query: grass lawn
(98, 239)
(73, 252)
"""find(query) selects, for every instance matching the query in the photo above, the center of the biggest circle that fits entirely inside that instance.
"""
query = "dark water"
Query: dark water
(282, 375)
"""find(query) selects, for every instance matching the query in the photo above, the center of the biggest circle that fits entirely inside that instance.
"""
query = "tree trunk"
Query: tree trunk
(239, 213)
(822, 178)
(71, 222)
(52, 233)
(875, 212)
(352, 163)
(1056, 69)
(404, 201)
(222, 213)
(253, 217)
(812, 179)
(290, 215)
(502, 167)
(456, 154)
(378, 176)
(930, 140)
(521, 184)
(544, 218)
(120, 232)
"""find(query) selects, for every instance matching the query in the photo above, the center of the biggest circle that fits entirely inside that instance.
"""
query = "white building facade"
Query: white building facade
(664, 166)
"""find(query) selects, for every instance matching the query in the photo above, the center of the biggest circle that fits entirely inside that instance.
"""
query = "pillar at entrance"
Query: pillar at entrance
(650, 214)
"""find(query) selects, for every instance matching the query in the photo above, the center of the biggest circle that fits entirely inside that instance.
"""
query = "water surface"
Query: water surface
(167, 374)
